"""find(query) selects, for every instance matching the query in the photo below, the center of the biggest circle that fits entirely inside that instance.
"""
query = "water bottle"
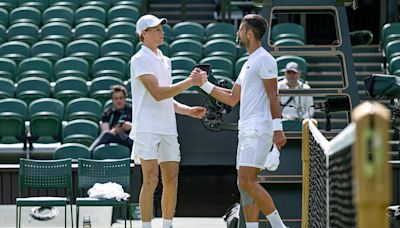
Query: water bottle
(86, 222)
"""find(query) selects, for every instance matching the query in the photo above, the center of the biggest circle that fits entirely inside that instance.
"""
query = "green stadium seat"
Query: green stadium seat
(188, 30)
(117, 48)
(122, 30)
(182, 65)
(91, 172)
(242, 52)
(38, 4)
(123, 13)
(57, 31)
(390, 32)
(288, 31)
(394, 66)
(86, 49)
(8, 5)
(90, 14)
(32, 88)
(45, 117)
(167, 32)
(135, 3)
(80, 131)
(6, 88)
(178, 78)
(73, 4)
(220, 30)
(285, 59)
(392, 49)
(84, 108)
(48, 49)
(105, 4)
(25, 14)
(35, 67)
(229, 81)
(187, 48)
(288, 42)
(12, 120)
(221, 47)
(3, 16)
(71, 66)
(238, 65)
(100, 87)
(25, 32)
(73, 151)
(58, 14)
(69, 88)
(90, 31)
(3, 34)
(15, 50)
(111, 151)
(164, 48)
(109, 66)
(220, 65)
(8, 68)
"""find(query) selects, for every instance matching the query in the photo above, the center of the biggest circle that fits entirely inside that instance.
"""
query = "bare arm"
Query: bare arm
(195, 112)
(228, 96)
(105, 126)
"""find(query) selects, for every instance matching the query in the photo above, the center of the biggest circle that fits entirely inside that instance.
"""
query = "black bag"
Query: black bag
(231, 216)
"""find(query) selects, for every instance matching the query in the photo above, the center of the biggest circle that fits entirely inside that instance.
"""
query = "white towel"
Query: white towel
(108, 191)
(272, 162)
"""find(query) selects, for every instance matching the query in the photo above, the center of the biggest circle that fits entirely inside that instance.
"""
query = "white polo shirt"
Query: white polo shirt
(149, 115)
(255, 110)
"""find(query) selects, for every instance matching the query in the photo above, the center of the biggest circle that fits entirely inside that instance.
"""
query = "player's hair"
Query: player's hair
(255, 23)
(118, 88)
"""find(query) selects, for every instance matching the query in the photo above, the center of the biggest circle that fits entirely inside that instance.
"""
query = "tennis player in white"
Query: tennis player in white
(154, 123)
(260, 122)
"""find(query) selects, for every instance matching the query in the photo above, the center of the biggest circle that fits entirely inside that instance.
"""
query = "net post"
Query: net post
(305, 157)
(372, 174)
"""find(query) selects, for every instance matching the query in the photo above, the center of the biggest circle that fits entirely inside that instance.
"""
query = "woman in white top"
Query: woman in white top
(154, 124)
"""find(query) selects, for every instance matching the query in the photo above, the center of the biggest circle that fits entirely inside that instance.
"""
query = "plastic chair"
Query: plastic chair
(122, 30)
(100, 87)
(188, 30)
(288, 31)
(25, 32)
(8, 4)
(15, 50)
(90, 31)
(70, 88)
(111, 151)
(392, 49)
(35, 67)
(3, 16)
(3, 34)
(90, 14)
(288, 42)
(38, 4)
(167, 32)
(38, 174)
(221, 47)
(390, 32)
(48, 49)
(105, 4)
(6, 88)
(32, 88)
(86, 49)
(72, 4)
(95, 171)
(109, 66)
(220, 65)
(73, 151)
(182, 65)
(84, 108)
(123, 13)
(187, 48)
(25, 14)
(80, 131)
(135, 3)
(8, 68)
(285, 59)
(238, 65)
(71, 66)
(57, 31)
(58, 14)
(45, 116)
(220, 30)
(12, 120)
(117, 48)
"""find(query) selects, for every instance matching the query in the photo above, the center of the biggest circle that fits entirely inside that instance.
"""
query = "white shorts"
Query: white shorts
(253, 149)
(151, 146)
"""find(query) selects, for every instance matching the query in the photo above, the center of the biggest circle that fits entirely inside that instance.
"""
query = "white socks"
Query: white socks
(146, 224)
(275, 220)
(167, 223)
(251, 224)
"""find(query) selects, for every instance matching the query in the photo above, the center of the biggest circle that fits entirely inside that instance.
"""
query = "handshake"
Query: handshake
(198, 77)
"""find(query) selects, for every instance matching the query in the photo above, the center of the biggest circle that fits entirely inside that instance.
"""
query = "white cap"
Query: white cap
(148, 21)
(292, 66)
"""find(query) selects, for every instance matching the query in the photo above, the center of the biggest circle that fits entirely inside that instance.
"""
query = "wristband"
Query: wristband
(277, 124)
(207, 87)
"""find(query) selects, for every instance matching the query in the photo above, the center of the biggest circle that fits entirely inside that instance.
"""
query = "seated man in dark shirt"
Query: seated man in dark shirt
(117, 120)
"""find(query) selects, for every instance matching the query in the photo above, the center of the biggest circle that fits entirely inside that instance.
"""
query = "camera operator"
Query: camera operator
(116, 120)
(295, 107)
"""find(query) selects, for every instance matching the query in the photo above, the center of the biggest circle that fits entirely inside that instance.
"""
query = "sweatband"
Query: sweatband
(207, 87)
(277, 124)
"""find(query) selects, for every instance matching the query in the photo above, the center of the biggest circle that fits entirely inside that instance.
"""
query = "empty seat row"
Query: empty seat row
(90, 13)
(105, 151)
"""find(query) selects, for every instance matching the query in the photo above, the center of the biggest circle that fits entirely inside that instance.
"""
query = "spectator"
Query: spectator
(116, 120)
(295, 107)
